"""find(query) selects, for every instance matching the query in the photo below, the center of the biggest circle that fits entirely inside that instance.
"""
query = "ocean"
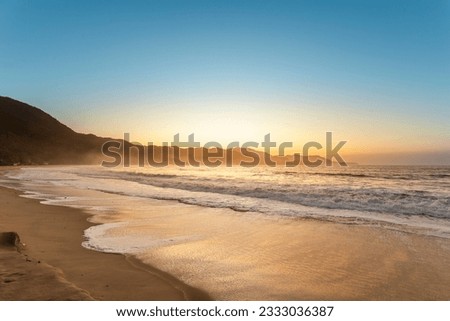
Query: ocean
(239, 232)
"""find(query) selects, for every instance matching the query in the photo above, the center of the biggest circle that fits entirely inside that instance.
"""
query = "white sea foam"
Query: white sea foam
(102, 238)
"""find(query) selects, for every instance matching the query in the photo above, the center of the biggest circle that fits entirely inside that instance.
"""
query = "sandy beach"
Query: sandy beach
(54, 266)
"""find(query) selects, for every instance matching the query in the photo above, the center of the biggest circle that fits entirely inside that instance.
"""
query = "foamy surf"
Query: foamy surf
(404, 198)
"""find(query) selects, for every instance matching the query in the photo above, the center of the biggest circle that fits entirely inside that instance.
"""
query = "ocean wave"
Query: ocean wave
(355, 201)
(378, 199)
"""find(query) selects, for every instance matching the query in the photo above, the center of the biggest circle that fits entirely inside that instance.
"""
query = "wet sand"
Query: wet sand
(250, 256)
(53, 236)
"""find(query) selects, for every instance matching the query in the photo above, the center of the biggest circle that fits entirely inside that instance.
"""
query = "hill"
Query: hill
(30, 136)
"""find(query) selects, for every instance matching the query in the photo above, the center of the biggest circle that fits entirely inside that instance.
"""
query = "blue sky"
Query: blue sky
(376, 73)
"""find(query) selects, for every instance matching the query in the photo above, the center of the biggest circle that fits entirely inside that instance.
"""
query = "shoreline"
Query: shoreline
(234, 255)
(54, 240)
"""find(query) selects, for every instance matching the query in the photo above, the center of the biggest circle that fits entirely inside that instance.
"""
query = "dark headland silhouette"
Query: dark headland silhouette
(29, 136)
